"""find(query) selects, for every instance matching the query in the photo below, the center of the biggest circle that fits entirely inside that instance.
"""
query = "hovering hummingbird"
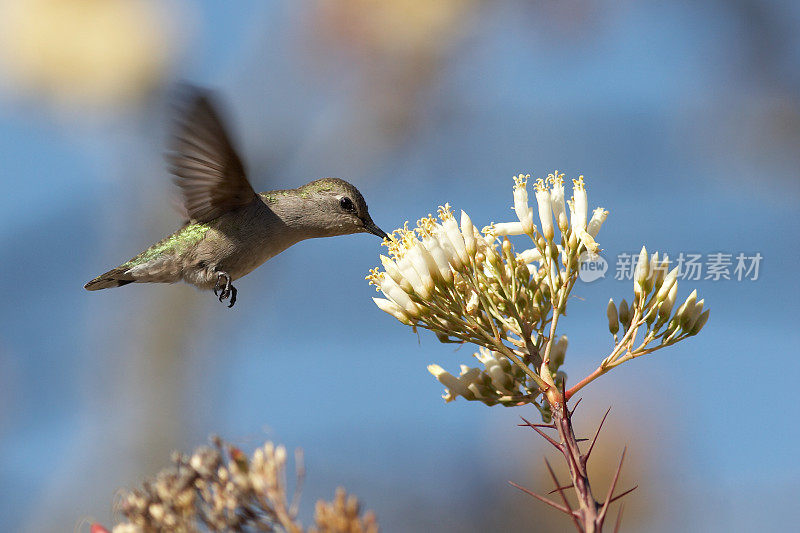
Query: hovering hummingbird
(231, 229)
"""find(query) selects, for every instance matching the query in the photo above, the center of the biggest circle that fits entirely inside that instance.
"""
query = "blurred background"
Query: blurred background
(684, 117)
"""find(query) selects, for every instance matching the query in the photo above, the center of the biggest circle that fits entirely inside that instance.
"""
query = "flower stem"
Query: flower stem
(588, 513)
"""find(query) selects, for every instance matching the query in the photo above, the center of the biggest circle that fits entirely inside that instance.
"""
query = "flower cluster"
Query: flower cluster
(655, 289)
(472, 286)
(221, 489)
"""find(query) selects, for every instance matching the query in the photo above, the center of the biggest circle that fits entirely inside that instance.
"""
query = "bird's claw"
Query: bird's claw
(226, 290)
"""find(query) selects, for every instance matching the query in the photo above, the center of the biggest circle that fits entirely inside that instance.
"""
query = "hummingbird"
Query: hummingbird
(230, 229)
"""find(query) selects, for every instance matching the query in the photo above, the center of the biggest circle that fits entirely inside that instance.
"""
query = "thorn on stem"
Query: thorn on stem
(565, 487)
(585, 458)
(607, 501)
(561, 493)
(542, 499)
(619, 518)
(615, 498)
(572, 411)
(543, 434)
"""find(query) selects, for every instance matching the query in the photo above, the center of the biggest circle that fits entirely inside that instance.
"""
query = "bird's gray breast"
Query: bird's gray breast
(239, 242)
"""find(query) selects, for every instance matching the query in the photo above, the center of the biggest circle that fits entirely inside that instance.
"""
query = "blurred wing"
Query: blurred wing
(207, 169)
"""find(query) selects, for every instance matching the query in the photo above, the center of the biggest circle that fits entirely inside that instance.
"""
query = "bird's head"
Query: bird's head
(341, 209)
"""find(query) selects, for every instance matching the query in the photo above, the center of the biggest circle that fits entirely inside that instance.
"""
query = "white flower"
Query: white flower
(391, 269)
(439, 256)
(529, 256)
(455, 386)
(557, 201)
(579, 205)
(545, 211)
(393, 291)
(456, 239)
(406, 268)
(505, 228)
(588, 241)
(393, 309)
(425, 266)
(598, 217)
(521, 196)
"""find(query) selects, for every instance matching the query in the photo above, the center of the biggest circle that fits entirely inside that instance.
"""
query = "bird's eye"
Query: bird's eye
(347, 204)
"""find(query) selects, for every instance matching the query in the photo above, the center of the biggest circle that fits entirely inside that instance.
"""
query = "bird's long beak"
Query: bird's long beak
(370, 226)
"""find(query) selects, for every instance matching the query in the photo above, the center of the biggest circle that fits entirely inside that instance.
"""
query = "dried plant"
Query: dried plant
(220, 489)
(471, 286)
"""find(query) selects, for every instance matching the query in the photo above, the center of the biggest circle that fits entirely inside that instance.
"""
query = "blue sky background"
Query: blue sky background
(685, 120)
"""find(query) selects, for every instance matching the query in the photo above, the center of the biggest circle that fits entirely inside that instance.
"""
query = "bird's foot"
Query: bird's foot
(224, 289)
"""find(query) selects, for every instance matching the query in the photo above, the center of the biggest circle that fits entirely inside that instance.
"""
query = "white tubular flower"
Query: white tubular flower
(391, 269)
(439, 256)
(557, 201)
(425, 264)
(393, 291)
(521, 207)
(579, 204)
(456, 239)
(506, 228)
(468, 232)
(545, 210)
(393, 309)
(449, 250)
(598, 217)
(529, 256)
(408, 271)
(455, 386)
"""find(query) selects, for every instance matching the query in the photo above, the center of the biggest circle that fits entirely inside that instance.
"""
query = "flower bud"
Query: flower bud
(642, 269)
(666, 284)
(669, 301)
(613, 317)
(468, 232)
(558, 353)
(701, 321)
(624, 314)
(684, 311)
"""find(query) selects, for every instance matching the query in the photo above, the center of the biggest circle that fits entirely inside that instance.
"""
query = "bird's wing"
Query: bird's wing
(206, 167)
